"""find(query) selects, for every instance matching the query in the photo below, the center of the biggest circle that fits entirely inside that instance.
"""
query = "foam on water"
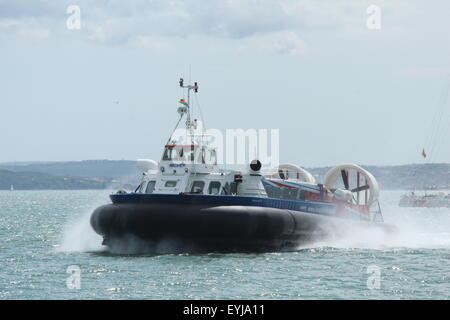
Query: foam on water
(407, 236)
(427, 228)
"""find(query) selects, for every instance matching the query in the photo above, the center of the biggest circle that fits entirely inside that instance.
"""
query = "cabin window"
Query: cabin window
(192, 154)
(214, 187)
(142, 187)
(200, 156)
(233, 188)
(289, 194)
(276, 192)
(170, 184)
(184, 154)
(179, 153)
(212, 157)
(226, 189)
(197, 186)
(293, 194)
(301, 195)
(168, 153)
(150, 187)
(269, 191)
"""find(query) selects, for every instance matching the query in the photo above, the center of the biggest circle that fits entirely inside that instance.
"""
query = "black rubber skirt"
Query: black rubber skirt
(196, 228)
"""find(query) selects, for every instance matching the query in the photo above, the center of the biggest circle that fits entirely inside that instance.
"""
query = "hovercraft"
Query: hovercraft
(185, 203)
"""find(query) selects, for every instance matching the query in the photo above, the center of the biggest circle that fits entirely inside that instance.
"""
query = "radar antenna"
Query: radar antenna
(187, 106)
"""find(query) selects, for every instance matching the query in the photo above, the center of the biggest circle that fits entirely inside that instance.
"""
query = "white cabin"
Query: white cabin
(189, 165)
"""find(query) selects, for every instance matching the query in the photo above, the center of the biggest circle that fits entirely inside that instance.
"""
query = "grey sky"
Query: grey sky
(337, 91)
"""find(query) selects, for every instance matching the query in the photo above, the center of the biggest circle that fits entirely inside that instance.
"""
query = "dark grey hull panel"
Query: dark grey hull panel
(197, 228)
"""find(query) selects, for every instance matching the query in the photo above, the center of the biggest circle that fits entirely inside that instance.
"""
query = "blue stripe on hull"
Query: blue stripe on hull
(322, 208)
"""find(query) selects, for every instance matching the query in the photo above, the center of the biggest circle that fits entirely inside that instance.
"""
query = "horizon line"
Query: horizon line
(31, 162)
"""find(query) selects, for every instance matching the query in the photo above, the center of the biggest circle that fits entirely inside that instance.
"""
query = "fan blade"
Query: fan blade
(362, 188)
(345, 179)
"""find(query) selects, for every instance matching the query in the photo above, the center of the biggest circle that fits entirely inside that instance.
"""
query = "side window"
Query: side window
(276, 192)
(226, 189)
(170, 184)
(200, 154)
(197, 186)
(293, 194)
(269, 191)
(301, 195)
(181, 154)
(168, 153)
(214, 187)
(233, 188)
(212, 157)
(150, 187)
(142, 187)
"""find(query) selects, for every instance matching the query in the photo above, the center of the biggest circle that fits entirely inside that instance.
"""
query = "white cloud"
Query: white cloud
(229, 19)
(29, 27)
(140, 22)
(289, 43)
(34, 33)
(282, 42)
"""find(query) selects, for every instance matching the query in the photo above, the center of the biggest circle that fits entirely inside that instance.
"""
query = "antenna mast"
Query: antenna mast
(187, 104)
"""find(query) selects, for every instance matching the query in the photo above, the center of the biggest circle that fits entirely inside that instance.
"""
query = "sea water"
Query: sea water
(49, 251)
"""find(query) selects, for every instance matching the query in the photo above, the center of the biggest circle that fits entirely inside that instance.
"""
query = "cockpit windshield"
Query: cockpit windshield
(168, 153)
(179, 153)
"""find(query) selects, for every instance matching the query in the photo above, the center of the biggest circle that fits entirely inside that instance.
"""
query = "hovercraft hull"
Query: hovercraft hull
(129, 227)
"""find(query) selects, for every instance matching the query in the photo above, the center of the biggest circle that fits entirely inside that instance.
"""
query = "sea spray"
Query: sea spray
(416, 228)
(78, 236)
(422, 227)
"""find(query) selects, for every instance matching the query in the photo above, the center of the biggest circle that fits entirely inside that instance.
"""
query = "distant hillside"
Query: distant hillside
(39, 180)
(98, 174)
(86, 169)
(411, 176)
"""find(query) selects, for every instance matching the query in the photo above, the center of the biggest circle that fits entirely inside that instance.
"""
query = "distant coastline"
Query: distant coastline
(113, 174)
